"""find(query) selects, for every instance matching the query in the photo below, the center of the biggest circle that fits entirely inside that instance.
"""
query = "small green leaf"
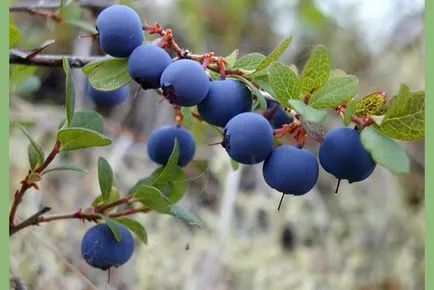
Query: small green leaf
(36, 154)
(385, 151)
(108, 74)
(145, 181)
(69, 91)
(111, 223)
(184, 215)
(274, 55)
(28, 87)
(90, 67)
(308, 113)
(88, 119)
(235, 165)
(114, 196)
(405, 117)
(335, 91)
(19, 73)
(173, 188)
(264, 84)
(372, 104)
(135, 227)
(70, 12)
(14, 35)
(171, 164)
(70, 167)
(79, 138)
(249, 61)
(105, 178)
(33, 157)
(84, 26)
(349, 111)
(188, 118)
(316, 71)
(232, 58)
(284, 83)
(151, 197)
(253, 89)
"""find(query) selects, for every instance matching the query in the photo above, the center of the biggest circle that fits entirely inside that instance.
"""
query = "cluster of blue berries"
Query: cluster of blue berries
(227, 103)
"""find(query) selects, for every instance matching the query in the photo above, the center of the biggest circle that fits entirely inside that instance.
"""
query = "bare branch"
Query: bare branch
(51, 60)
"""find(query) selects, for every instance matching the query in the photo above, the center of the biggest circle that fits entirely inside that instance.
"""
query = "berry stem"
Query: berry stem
(337, 186)
(280, 202)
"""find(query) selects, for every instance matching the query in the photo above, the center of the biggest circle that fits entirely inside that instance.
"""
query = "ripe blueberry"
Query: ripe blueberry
(248, 138)
(119, 30)
(161, 142)
(146, 64)
(343, 155)
(108, 98)
(225, 99)
(101, 250)
(280, 117)
(185, 82)
(290, 170)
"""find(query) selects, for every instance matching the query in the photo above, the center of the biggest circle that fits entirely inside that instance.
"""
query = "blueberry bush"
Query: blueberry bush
(252, 101)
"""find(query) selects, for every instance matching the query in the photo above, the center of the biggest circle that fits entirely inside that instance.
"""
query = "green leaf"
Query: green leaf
(105, 178)
(34, 160)
(316, 71)
(79, 138)
(173, 188)
(235, 165)
(308, 113)
(284, 83)
(274, 55)
(253, 89)
(188, 118)
(108, 74)
(36, 154)
(232, 58)
(405, 117)
(70, 12)
(335, 91)
(71, 167)
(28, 87)
(19, 73)
(372, 104)
(69, 91)
(184, 215)
(135, 227)
(171, 164)
(114, 196)
(111, 223)
(144, 181)
(84, 26)
(14, 35)
(151, 197)
(88, 119)
(249, 61)
(349, 111)
(385, 151)
(264, 84)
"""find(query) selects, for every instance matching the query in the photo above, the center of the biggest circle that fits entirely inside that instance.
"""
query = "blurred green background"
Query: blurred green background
(369, 236)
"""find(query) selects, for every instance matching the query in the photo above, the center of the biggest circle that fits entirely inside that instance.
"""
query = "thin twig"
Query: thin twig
(30, 221)
(51, 60)
(83, 3)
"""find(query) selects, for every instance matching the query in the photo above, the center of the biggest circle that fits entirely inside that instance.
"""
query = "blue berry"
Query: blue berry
(343, 155)
(248, 138)
(161, 142)
(119, 30)
(101, 250)
(280, 116)
(108, 98)
(185, 82)
(225, 99)
(291, 170)
(146, 64)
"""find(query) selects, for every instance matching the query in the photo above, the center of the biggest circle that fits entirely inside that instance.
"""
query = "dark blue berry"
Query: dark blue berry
(119, 30)
(101, 250)
(291, 170)
(185, 82)
(225, 99)
(146, 64)
(108, 98)
(161, 142)
(248, 138)
(343, 155)
(280, 116)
